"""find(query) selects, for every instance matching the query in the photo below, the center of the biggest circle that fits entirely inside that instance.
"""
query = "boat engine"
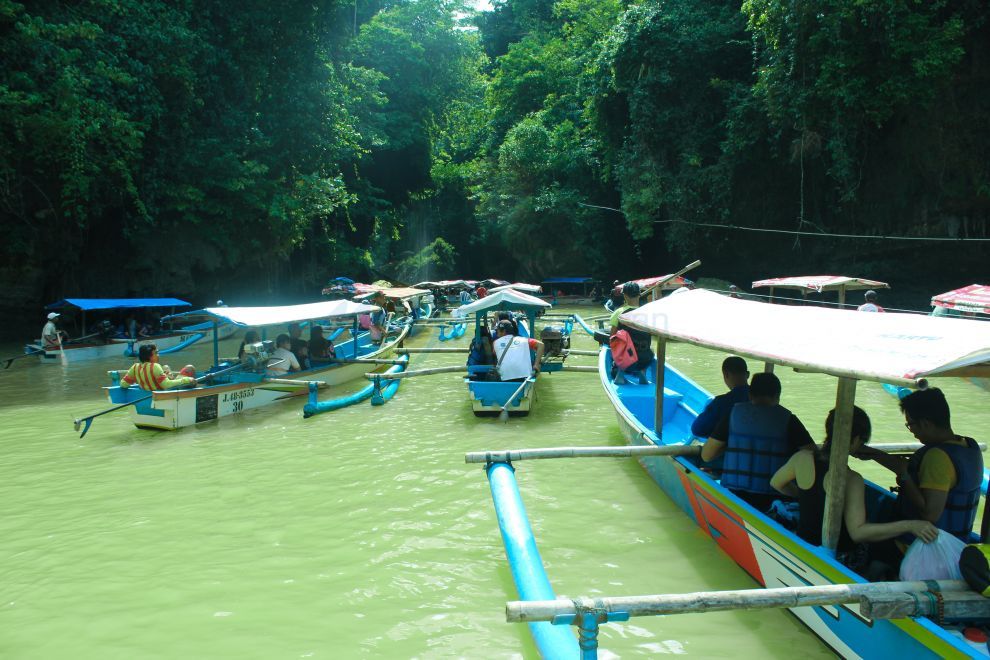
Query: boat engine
(554, 341)
(256, 355)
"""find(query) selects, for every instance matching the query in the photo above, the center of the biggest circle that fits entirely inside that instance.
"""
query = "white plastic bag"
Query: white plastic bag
(938, 560)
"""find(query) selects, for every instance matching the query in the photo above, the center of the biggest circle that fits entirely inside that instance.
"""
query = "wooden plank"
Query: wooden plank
(505, 456)
(838, 470)
(956, 606)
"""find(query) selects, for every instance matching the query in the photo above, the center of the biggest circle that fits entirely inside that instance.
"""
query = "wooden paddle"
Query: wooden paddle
(664, 280)
(86, 422)
(61, 350)
(8, 361)
(503, 415)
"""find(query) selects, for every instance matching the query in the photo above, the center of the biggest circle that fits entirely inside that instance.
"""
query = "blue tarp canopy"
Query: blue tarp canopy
(88, 304)
(568, 280)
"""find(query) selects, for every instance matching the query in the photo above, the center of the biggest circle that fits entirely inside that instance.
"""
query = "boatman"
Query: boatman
(149, 375)
(941, 481)
(641, 340)
(757, 438)
(51, 336)
(512, 354)
(736, 377)
(871, 303)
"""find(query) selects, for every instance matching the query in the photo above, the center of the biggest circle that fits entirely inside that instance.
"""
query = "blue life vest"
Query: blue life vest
(960, 505)
(757, 447)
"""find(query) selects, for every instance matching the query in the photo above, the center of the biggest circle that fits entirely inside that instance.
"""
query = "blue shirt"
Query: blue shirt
(718, 408)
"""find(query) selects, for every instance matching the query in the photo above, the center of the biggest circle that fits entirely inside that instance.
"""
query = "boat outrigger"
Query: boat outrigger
(491, 396)
(856, 618)
(249, 386)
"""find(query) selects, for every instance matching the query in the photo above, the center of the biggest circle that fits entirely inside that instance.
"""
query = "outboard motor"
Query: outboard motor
(553, 341)
(256, 355)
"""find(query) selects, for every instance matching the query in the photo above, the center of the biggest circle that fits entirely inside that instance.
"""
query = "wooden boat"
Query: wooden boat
(806, 284)
(95, 346)
(971, 301)
(903, 349)
(489, 397)
(249, 387)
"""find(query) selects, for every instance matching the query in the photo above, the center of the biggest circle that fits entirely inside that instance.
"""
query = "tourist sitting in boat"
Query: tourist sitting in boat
(51, 336)
(640, 340)
(298, 345)
(735, 374)
(250, 337)
(320, 348)
(757, 438)
(378, 319)
(941, 481)
(149, 375)
(283, 360)
(803, 478)
(506, 316)
(481, 351)
(514, 360)
(871, 303)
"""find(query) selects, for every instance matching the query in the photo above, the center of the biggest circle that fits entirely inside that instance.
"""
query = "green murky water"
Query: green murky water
(359, 533)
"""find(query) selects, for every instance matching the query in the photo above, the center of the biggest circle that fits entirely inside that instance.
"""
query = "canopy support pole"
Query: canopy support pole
(661, 372)
(354, 335)
(842, 296)
(216, 343)
(838, 470)
(768, 367)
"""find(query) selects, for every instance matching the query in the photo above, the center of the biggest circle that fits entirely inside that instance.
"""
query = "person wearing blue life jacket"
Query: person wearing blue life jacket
(757, 437)
(735, 374)
(941, 481)
(481, 351)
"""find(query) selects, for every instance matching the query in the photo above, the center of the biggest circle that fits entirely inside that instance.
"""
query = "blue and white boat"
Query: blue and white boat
(249, 387)
(490, 396)
(103, 345)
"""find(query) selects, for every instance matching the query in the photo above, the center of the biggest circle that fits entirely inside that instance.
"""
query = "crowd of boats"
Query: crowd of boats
(368, 326)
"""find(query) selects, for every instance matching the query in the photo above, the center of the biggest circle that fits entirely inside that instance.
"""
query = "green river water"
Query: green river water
(359, 533)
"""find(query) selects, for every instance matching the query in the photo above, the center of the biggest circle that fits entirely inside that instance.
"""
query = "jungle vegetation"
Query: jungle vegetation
(209, 149)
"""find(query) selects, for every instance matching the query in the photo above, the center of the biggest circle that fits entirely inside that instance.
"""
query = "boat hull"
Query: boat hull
(118, 347)
(488, 397)
(772, 555)
(174, 409)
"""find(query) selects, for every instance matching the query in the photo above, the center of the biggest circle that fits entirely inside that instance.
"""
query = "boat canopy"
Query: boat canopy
(88, 304)
(396, 293)
(647, 284)
(973, 298)
(504, 300)
(517, 286)
(821, 283)
(879, 347)
(444, 284)
(568, 280)
(492, 281)
(262, 316)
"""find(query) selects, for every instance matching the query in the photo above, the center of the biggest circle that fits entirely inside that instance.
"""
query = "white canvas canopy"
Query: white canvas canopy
(881, 347)
(504, 300)
(518, 286)
(262, 316)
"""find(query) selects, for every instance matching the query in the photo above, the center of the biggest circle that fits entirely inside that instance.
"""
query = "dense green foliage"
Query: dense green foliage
(208, 149)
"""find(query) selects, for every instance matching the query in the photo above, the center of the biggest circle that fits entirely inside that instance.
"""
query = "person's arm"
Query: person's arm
(936, 477)
(861, 531)
(717, 442)
(705, 422)
(539, 355)
(293, 361)
(896, 464)
(786, 480)
(129, 378)
(798, 436)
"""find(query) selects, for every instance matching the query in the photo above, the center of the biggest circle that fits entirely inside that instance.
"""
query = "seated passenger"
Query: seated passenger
(481, 351)
(149, 375)
(283, 360)
(941, 481)
(378, 319)
(513, 361)
(803, 478)
(735, 375)
(641, 340)
(506, 316)
(757, 438)
(320, 348)
(250, 337)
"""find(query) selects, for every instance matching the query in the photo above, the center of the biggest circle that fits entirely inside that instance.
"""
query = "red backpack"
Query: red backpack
(623, 350)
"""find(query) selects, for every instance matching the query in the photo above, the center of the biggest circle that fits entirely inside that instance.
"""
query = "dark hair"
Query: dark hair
(145, 351)
(282, 337)
(861, 427)
(928, 405)
(251, 337)
(631, 289)
(734, 365)
(504, 316)
(870, 295)
(505, 326)
(764, 384)
(316, 330)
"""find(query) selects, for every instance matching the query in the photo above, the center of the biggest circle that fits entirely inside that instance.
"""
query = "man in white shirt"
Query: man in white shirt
(282, 361)
(871, 303)
(50, 334)
(512, 354)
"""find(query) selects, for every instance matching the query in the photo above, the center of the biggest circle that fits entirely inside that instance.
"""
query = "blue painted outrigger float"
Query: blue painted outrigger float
(487, 396)
(846, 612)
